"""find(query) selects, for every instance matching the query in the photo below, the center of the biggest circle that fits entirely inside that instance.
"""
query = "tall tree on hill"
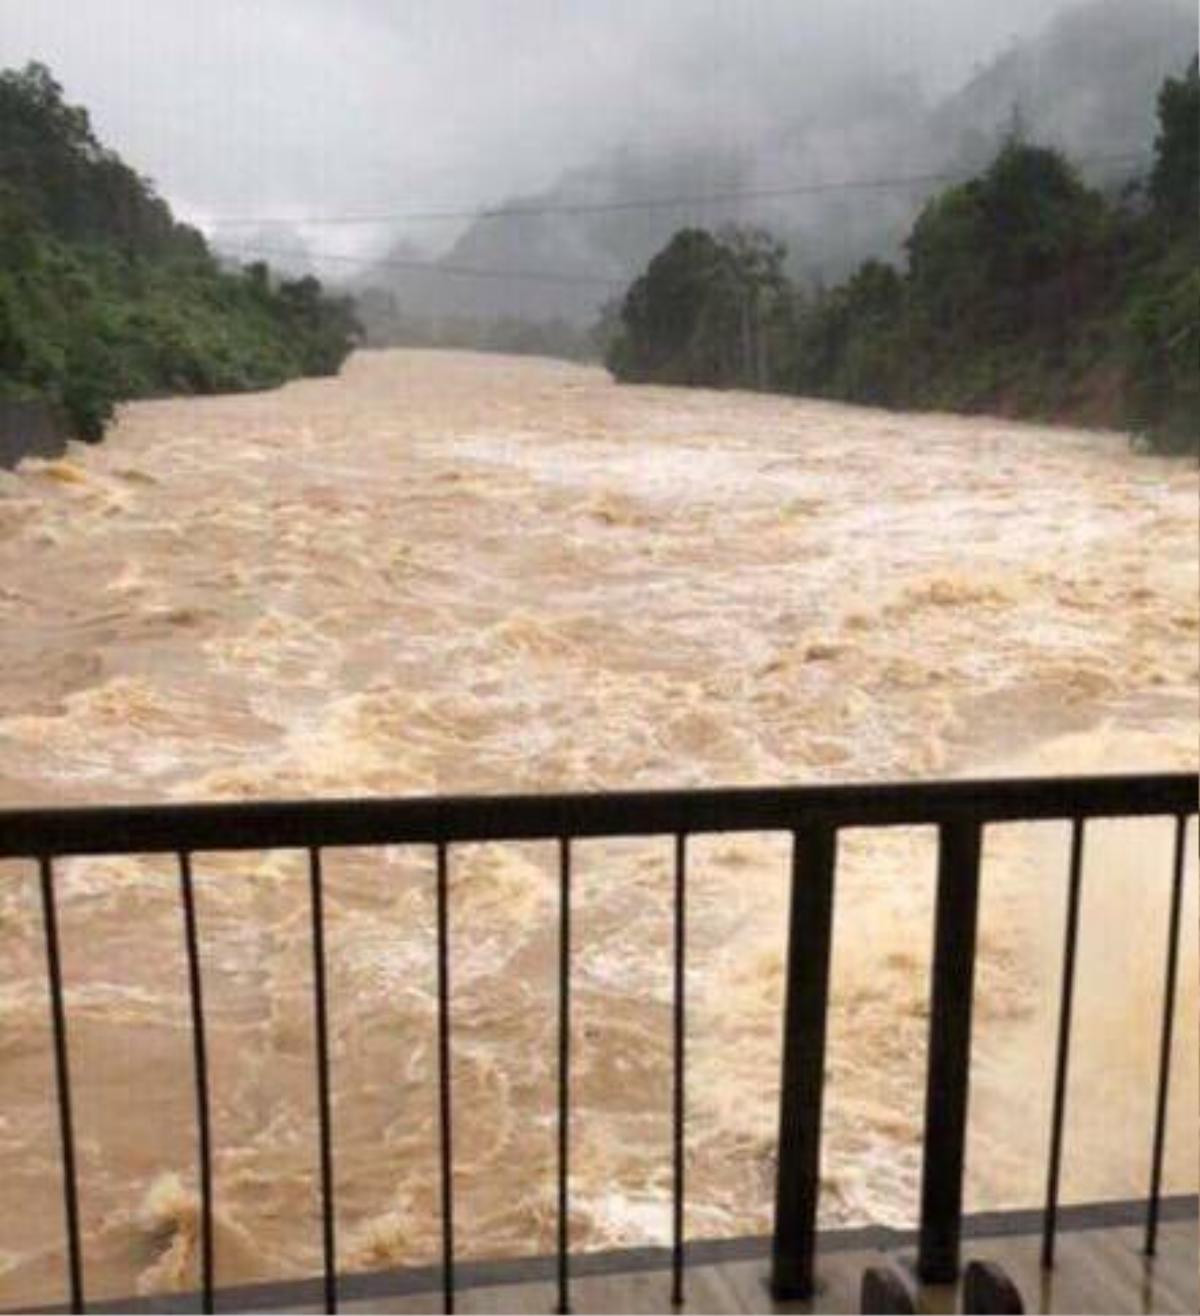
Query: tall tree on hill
(707, 311)
(1162, 380)
(1175, 179)
(1010, 252)
(105, 296)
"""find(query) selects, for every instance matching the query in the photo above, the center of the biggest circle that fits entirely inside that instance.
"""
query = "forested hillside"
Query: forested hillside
(1023, 292)
(104, 296)
(778, 147)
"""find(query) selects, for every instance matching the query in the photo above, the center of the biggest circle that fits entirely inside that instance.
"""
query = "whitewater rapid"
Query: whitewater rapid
(455, 572)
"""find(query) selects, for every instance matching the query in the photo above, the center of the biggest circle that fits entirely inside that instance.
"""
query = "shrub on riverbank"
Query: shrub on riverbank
(104, 296)
(1024, 292)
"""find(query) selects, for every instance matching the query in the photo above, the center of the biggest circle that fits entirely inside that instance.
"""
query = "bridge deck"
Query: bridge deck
(1098, 1270)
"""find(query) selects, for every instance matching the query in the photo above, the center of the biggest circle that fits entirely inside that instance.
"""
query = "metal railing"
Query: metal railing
(813, 815)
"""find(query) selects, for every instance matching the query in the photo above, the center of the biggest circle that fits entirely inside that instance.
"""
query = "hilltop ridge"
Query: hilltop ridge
(104, 295)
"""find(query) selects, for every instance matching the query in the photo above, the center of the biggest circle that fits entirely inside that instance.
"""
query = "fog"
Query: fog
(293, 106)
(267, 123)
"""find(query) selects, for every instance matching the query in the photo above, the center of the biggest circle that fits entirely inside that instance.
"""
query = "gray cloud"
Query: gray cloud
(291, 107)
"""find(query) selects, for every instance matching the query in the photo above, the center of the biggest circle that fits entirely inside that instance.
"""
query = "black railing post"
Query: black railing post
(445, 1105)
(324, 1116)
(949, 1051)
(1063, 1054)
(200, 1062)
(62, 1077)
(564, 1074)
(679, 1086)
(1164, 1050)
(807, 994)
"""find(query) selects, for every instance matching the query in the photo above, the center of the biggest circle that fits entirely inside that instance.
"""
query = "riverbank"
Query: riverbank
(30, 429)
(105, 296)
(1022, 291)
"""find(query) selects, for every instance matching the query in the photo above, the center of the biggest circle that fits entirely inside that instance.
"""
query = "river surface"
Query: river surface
(454, 572)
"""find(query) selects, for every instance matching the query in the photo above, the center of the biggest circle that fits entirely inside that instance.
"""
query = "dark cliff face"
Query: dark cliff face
(30, 429)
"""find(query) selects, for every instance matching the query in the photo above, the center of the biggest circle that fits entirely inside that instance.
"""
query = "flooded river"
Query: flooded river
(448, 572)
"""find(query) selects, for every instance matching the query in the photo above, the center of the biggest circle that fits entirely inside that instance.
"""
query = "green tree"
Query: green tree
(1163, 378)
(1012, 251)
(854, 341)
(665, 311)
(707, 311)
(1025, 292)
(104, 296)
(1162, 318)
(1175, 178)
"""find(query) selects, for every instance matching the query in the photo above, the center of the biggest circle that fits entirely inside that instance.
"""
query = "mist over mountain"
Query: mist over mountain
(281, 245)
(1082, 86)
(1085, 82)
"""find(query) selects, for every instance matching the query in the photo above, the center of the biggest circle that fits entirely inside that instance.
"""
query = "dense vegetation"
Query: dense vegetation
(104, 296)
(1024, 292)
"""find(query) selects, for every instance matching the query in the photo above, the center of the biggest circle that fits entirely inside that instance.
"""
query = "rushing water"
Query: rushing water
(465, 573)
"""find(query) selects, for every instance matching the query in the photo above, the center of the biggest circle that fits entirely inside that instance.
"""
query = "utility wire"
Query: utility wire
(431, 267)
(557, 277)
(640, 203)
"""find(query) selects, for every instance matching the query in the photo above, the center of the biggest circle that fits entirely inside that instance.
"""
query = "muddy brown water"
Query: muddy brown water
(455, 572)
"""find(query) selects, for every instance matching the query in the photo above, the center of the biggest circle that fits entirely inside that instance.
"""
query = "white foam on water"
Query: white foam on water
(447, 572)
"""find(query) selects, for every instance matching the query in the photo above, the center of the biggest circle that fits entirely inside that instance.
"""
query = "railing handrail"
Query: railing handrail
(332, 822)
(813, 815)
(394, 1283)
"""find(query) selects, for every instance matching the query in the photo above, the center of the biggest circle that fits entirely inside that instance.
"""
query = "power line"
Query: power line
(560, 277)
(640, 203)
(583, 207)
(431, 267)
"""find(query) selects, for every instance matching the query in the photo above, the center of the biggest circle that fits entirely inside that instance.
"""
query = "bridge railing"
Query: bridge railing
(812, 815)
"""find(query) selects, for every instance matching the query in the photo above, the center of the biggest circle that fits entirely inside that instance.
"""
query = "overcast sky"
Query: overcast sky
(286, 107)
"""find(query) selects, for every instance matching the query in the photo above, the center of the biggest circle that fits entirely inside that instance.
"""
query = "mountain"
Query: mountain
(1085, 83)
(1086, 86)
